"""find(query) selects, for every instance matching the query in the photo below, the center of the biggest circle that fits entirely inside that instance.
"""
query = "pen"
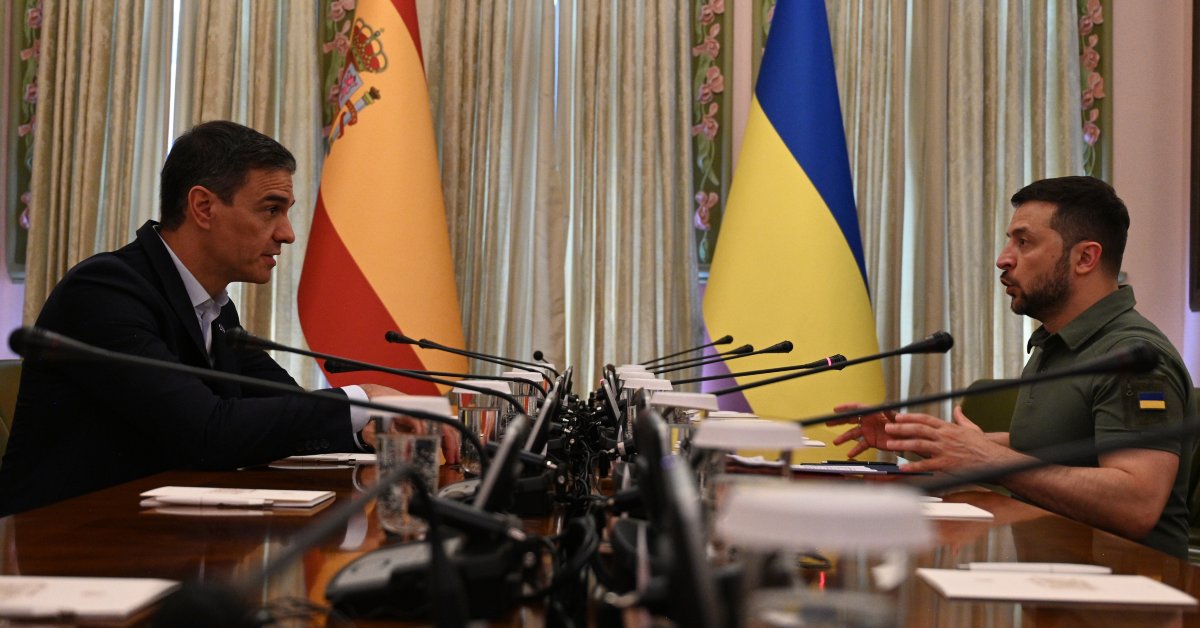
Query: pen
(1066, 568)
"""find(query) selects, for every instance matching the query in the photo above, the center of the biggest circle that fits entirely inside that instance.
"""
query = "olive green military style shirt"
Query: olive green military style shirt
(1110, 407)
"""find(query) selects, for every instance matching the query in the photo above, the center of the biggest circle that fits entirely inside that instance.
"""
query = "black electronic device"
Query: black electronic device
(391, 581)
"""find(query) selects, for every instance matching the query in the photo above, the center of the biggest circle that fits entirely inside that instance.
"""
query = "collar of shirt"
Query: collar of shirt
(207, 307)
(1092, 320)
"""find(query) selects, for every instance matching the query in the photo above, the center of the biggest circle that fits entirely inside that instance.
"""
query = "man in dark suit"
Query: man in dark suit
(226, 192)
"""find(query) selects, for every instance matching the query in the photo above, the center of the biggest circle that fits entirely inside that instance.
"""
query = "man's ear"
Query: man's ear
(200, 204)
(1087, 256)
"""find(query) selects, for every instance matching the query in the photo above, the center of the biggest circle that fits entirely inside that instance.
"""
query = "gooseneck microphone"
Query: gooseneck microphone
(937, 342)
(838, 361)
(742, 350)
(345, 366)
(238, 337)
(399, 338)
(1137, 357)
(779, 347)
(34, 343)
(723, 340)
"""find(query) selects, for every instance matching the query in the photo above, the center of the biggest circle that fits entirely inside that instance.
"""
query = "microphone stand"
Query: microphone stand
(345, 366)
(938, 342)
(399, 338)
(700, 361)
(723, 340)
(1139, 358)
(239, 337)
(33, 341)
(833, 360)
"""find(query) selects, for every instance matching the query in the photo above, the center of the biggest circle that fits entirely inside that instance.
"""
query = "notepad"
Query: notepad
(91, 599)
(954, 510)
(959, 584)
(236, 497)
(361, 458)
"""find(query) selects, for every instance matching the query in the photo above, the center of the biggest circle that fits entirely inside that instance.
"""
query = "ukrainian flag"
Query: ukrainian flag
(789, 261)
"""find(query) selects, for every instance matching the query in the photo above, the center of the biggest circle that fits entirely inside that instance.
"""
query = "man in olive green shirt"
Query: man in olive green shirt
(1060, 265)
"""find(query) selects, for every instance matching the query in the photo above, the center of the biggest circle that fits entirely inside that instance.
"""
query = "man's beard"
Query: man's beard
(1047, 295)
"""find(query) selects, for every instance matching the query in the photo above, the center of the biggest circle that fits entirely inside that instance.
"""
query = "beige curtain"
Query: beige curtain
(90, 76)
(566, 195)
(977, 98)
(255, 62)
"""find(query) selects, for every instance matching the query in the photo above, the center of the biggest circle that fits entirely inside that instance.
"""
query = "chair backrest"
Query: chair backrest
(10, 381)
(991, 411)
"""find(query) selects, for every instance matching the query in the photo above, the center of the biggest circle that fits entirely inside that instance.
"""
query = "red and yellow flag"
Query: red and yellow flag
(378, 255)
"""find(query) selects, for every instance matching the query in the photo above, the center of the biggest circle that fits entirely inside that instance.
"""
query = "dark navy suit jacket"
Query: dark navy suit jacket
(81, 426)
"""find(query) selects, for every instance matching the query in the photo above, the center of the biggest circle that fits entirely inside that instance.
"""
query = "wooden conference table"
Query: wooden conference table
(107, 533)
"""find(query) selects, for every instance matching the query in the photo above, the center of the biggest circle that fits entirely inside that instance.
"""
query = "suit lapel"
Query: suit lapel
(176, 294)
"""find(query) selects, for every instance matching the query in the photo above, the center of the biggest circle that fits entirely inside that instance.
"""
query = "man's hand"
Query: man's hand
(945, 446)
(868, 429)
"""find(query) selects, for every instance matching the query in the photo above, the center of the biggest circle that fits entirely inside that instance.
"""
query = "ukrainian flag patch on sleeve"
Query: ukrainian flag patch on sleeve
(1152, 400)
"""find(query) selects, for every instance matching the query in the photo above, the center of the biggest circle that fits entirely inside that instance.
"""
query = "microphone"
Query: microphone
(239, 338)
(742, 350)
(838, 361)
(779, 347)
(34, 343)
(937, 342)
(399, 338)
(469, 518)
(345, 366)
(723, 340)
(1139, 357)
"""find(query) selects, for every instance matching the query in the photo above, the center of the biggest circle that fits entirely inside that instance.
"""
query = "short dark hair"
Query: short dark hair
(217, 155)
(1086, 209)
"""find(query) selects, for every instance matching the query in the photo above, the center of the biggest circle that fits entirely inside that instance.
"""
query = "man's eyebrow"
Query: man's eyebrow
(1016, 231)
(282, 199)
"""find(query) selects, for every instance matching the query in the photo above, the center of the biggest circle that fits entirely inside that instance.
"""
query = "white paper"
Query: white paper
(954, 510)
(84, 598)
(1051, 587)
(244, 497)
(363, 458)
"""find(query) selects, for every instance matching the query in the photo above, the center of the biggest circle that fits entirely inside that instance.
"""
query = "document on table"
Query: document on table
(236, 497)
(954, 510)
(360, 458)
(90, 599)
(1040, 586)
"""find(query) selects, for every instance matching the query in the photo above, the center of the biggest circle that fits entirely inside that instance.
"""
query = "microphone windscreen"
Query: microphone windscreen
(538, 355)
(35, 343)
(338, 366)
(397, 337)
(1136, 357)
(937, 342)
(741, 350)
(779, 347)
(723, 340)
(836, 359)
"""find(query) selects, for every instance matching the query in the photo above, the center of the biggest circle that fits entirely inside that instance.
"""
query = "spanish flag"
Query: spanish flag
(378, 256)
(789, 262)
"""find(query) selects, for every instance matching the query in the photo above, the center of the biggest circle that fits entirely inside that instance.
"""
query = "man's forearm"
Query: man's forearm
(1111, 499)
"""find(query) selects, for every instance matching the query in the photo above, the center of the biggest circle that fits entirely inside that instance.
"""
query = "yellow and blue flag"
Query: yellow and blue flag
(789, 262)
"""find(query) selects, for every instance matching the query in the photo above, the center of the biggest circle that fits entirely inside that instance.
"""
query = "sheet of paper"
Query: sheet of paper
(244, 497)
(93, 599)
(961, 584)
(954, 510)
(361, 458)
